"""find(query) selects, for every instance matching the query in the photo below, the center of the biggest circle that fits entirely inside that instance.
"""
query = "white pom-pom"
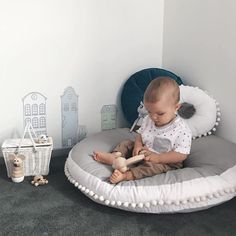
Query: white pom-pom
(83, 189)
(217, 123)
(161, 202)
(203, 198)
(184, 201)
(197, 199)
(140, 205)
(221, 192)
(73, 181)
(76, 184)
(209, 132)
(205, 134)
(214, 129)
(95, 196)
(113, 203)
(147, 204)
(101, 198)
(154, 202)
(168, 202)
(218, 119)
(119, 203)
(91, 193)
(218, 114)
(177, 202)
(87, 190)
(80, 186)
(191, 199)
(107, 202)
(126, 204)
(210, 196)
(227, 190)
(133, 205)
(231, 190)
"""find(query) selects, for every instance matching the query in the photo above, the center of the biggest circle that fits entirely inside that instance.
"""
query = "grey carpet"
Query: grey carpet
(60, 209)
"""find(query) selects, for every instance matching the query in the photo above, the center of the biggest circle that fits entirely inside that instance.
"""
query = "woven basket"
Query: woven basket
(37, 155)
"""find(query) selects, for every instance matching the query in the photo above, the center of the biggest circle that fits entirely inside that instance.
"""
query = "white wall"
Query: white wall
(93, 46)
(199, 45)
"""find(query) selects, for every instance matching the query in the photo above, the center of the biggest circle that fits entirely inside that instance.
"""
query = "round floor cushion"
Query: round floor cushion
(207, 179)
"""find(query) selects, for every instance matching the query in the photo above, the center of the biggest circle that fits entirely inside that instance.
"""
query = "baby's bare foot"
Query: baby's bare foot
(104, 157)
(117, 177)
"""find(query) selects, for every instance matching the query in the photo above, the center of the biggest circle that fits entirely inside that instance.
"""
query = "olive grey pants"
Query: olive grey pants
(143, 168)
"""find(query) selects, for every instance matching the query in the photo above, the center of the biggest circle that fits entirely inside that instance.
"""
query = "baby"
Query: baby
(163, 135)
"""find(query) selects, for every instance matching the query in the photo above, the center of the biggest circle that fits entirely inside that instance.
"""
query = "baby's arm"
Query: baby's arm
(138, 145)
(165, 157)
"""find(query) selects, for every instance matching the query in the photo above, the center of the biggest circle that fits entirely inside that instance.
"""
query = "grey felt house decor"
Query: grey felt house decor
(108, 117)
(69, 117)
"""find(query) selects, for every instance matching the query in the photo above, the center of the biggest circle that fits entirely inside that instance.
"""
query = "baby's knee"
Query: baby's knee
(128, 143)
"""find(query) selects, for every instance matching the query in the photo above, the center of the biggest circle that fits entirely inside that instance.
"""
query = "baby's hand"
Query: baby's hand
(139, 150)
(151, 157)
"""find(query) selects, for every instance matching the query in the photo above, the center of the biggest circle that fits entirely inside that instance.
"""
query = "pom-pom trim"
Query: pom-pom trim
(153, 203)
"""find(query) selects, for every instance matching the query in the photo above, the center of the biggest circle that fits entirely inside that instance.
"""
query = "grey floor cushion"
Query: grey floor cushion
(207, 179)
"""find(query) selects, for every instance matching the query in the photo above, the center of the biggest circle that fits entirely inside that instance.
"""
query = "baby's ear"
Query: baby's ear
(178, 105)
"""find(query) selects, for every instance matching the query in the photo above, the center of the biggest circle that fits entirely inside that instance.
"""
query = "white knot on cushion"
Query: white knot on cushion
(206, 111)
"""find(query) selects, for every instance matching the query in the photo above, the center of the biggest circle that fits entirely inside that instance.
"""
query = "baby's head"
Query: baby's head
(161, 99)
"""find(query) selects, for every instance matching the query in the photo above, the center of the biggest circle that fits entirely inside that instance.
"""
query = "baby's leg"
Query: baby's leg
(147, 169)
(118, 176)
(105, 157)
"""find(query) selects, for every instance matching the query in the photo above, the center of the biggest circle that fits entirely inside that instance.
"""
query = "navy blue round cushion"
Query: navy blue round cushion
(134, 87)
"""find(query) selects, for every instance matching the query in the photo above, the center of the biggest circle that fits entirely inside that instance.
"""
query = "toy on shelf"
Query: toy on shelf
(43, 138)
(39, 180)
(17, 174)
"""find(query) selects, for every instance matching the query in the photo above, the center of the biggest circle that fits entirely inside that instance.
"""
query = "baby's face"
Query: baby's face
(161, 112)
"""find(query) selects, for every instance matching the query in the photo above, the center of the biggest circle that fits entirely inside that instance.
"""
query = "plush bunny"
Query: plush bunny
(121, 164)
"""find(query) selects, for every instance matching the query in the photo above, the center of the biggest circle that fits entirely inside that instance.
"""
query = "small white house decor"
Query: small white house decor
(37, 154)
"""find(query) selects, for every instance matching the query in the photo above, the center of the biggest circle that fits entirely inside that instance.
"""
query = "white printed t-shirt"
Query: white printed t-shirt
(175, 136)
